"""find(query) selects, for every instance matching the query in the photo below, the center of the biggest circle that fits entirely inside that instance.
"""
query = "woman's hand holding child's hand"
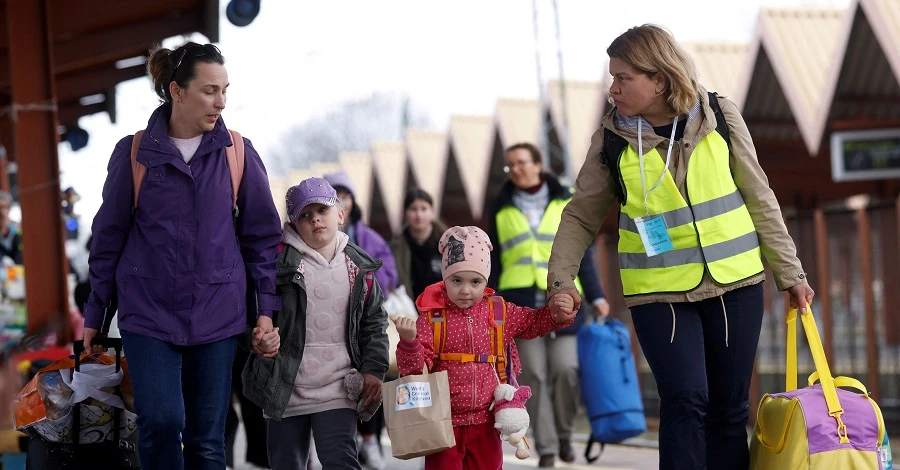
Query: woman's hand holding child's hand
(406, 327)
(562, 307)
(265, 341)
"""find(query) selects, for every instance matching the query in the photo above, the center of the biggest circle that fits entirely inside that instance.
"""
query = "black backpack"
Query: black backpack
(614, 145)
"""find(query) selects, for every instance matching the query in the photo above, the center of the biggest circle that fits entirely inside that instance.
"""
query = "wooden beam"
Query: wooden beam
(120, 42)
(69, 113)
(74, 86)
(31, 68)
(111, 45)
(211, 20)
(862, 124)
(71, 18)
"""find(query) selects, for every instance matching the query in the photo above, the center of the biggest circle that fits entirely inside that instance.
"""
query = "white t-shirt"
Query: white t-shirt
(187, 147)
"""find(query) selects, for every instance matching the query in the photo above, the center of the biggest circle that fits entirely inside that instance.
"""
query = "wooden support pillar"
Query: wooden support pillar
(890, 272)
(8, 142)
(865, 254)
(823, 291)
(34, 121)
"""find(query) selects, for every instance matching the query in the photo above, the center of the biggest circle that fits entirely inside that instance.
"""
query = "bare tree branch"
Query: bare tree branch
(351, 126)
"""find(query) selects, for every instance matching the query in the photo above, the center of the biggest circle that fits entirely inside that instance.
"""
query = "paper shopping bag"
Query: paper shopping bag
(417, 413)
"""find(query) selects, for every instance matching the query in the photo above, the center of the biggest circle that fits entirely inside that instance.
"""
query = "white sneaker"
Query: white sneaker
(371, 451)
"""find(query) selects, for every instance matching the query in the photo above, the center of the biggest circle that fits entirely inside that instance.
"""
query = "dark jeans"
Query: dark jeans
(251, 415)
(333, 430)
(181, 396)
(703, 376)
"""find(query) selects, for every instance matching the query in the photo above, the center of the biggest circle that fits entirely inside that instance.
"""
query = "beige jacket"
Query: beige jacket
(594, 194)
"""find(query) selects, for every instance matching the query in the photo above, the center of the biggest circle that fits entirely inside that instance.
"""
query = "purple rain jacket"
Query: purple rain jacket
(375, 246)
(180, 262)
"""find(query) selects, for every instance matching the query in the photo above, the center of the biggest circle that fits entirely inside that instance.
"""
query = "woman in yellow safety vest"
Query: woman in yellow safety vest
(696, 213)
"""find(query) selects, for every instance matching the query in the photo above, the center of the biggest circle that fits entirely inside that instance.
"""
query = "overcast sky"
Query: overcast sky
(298, 58)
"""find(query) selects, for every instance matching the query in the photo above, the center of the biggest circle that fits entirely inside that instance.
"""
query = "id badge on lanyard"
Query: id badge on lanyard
(652, 228)
(654, 234)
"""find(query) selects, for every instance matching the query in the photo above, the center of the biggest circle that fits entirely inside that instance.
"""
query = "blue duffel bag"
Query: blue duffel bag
(609, 384)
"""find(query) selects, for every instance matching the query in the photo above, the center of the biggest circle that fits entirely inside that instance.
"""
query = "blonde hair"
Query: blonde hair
(651, 49)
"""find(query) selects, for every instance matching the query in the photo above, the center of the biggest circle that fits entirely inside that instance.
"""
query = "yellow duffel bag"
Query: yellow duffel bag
(819, 427)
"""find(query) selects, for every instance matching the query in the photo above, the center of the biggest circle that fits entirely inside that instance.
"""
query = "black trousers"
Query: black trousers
(254, 423)
(702, 354)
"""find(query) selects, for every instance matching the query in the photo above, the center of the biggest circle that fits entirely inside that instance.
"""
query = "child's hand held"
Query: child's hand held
(267, 343)
(562, 308)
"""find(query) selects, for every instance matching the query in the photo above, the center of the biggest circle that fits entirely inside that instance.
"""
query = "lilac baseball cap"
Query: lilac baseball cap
(309, 191)
(340, 178)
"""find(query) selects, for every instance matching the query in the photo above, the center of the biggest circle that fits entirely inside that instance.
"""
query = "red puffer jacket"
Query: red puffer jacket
(472, 384)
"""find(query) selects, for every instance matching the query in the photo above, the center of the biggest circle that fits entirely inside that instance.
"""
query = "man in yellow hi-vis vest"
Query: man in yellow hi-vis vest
(524, 220)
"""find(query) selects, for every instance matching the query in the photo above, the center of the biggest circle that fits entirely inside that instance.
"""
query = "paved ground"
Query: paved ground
(641, 455)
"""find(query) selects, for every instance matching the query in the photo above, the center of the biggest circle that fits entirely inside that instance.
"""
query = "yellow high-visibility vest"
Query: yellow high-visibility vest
(525, 255)
(711, 231)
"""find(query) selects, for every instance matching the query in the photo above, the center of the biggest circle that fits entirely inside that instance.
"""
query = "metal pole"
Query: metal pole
(542, 128)
(564, 135)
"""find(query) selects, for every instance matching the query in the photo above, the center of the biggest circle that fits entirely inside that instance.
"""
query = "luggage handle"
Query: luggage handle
(590, 445)
(840, 381)
(818, 353)
(115, 343)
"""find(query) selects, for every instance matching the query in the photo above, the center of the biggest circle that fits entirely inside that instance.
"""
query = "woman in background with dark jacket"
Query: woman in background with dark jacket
(416, 249)
(524, 220)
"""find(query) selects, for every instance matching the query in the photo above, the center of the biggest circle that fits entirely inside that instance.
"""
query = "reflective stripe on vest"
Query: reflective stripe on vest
(714, 232)
(525, 255)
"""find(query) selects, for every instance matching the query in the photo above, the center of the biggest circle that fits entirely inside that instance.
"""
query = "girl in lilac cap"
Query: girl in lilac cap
(373, 244)
(331, 327)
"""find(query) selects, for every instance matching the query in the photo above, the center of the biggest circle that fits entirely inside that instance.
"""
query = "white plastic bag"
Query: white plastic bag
(88, 383)
(399, 303)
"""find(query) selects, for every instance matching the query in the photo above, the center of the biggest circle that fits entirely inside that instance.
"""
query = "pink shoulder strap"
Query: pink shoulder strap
(138, 171)
(234, 155)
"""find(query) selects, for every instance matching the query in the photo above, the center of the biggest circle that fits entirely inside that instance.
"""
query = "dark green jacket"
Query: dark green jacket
(268, 382)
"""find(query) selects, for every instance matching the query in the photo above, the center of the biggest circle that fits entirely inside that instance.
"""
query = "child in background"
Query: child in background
(463, 300)
(330, 323)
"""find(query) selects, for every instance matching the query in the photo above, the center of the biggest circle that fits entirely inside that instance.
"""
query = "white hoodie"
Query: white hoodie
(319, 385)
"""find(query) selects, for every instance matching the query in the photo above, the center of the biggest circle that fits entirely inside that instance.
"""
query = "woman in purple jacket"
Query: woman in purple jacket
(361, 235)
(181, 260)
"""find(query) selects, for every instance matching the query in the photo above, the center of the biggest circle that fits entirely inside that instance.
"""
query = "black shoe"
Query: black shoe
(547, 461)
(566, 454)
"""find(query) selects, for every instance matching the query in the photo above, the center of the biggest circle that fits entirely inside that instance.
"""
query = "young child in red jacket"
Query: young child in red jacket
(465, 304)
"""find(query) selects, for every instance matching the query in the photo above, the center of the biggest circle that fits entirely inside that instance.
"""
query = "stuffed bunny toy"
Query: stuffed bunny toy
(511, 418)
